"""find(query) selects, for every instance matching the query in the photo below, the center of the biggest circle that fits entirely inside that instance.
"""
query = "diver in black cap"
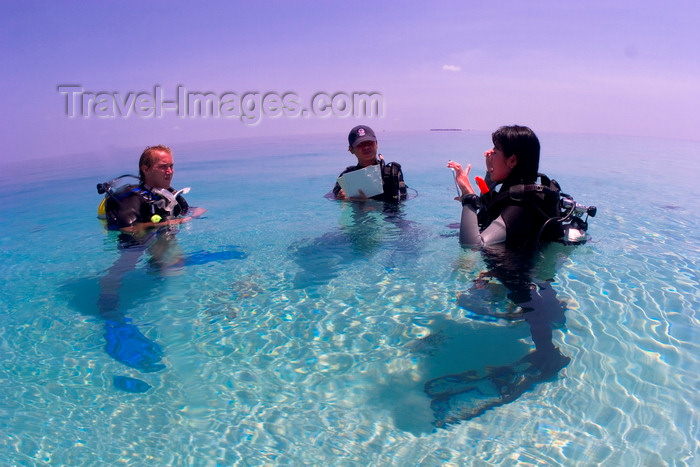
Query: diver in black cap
(363, 145)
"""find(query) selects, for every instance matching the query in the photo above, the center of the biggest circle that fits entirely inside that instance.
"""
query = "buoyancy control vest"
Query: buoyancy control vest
(392, 178)
(156, 203)
(559, 216)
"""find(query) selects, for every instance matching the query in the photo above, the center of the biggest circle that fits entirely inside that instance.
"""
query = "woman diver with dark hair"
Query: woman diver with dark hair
(512, 162)
(508, 225)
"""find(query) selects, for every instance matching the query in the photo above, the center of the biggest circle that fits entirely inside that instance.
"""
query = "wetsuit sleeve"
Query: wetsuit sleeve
(469, 234)
(515, 224)
(336, 188)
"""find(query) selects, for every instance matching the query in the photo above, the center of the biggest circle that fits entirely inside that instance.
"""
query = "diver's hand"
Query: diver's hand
(361, 196)
(462, 177)
(196, 213)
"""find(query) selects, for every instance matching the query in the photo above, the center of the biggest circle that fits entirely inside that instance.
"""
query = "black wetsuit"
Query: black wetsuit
(392, 181)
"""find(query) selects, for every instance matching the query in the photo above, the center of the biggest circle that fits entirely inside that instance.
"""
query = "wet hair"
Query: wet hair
(521, 141)
(148, 156)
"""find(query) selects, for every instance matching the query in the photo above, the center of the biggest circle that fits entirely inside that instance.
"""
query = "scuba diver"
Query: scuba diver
(362, 143)
(146, 215)
(137, 210)
(367, 225)
(510, 226)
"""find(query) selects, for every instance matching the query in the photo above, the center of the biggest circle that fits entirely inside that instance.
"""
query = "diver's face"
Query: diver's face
(498, 165)
(366, 153)
(160, 174)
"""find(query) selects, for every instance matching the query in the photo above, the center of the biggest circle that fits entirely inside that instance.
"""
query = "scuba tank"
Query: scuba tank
(565, 220)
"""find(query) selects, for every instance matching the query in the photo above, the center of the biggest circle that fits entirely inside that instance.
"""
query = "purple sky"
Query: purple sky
(630, 68)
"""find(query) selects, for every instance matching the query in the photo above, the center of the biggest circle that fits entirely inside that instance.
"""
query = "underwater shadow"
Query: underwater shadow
(449, 348)
(515, 292)
(365, 230)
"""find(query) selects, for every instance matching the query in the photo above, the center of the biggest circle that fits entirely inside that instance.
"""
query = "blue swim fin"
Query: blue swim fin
(206, 256)
(128, 384)
(127, 345)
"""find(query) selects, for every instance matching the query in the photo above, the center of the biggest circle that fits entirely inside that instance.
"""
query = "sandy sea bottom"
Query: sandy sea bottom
(307, 329)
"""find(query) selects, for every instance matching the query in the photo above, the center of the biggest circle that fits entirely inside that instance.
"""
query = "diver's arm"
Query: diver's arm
(140, 228)
(338, 192)
(188, 212)
(469, 234)
(196, 213)
(342, 196)
(135, 219)
(514, 223)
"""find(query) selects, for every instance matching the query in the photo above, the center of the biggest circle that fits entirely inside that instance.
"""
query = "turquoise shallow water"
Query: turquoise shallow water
(315, 347)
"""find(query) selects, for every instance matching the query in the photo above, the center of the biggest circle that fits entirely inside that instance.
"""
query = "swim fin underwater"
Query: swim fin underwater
(128, 384)
(205, 256)
(127, 345)
(467, 395)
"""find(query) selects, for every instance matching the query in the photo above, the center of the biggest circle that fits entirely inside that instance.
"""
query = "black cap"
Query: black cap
(360, 134)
